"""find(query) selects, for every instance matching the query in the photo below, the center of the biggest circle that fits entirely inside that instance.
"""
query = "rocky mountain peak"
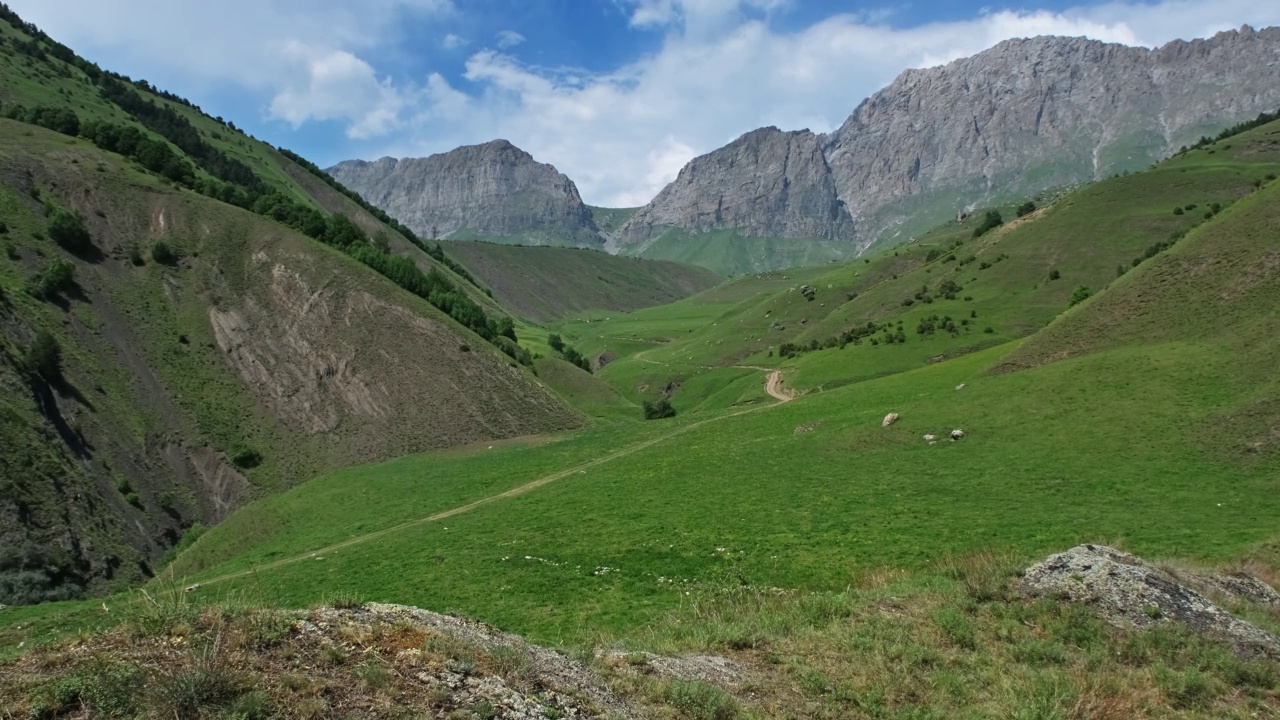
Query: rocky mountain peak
(493, 190)
(1026, 115)
(765, 183)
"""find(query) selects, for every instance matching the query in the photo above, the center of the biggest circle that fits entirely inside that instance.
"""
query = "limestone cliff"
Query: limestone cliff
(490, 191)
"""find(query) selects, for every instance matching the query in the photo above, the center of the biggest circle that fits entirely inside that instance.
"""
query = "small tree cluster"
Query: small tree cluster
(1026, 208)
(658, 409)
(568, 352)
(990, 221)
(1080, 294)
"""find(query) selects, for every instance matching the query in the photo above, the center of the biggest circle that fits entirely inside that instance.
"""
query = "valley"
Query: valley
(757, 467)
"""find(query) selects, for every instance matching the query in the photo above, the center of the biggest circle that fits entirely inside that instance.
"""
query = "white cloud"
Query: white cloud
(722, 69)
(335, 85)
(508, 39)
(622, 135)
(452, 42)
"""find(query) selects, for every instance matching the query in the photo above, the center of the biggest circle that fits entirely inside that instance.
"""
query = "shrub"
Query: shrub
(1080, 294)
(1054, 274)
(163, 254)
(244, 456)
(556, 342)
(1177, 211)
(58, 277)
(135, 256)
(658, 409)
(700, 701)
(990, 221)
(68, 230)
(44, 357)
(1026, 208)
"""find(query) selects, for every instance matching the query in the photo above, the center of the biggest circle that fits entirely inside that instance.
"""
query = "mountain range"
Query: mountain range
(1024, 117)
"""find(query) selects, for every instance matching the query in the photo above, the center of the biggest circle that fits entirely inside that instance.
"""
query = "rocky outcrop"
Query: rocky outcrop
(1028, 115)
(1131, 593)
(767, 183)
(1022, 117)
(494, 190)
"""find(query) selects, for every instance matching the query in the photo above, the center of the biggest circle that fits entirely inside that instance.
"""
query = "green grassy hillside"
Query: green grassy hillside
(193, 319)
(1104, 425)
(610, 219)
(545, 283)
(730, 253)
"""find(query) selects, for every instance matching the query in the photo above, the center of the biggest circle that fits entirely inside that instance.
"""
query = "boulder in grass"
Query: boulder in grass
(1131, 593)
(889, 419)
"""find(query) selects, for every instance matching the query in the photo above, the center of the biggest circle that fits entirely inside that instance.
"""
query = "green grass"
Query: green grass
(610, 219)
(730, 253)
(548, 283)
(1119, 440)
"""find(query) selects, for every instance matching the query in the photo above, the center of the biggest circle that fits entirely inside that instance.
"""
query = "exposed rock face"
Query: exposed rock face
(1032, 114)
(767, 183)
(1131, 593)
(1024, 116)
(490, 190)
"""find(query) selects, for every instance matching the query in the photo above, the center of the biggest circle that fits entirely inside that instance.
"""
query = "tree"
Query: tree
(556, 342)
(1080, 294)
(68, 230)
(658, 409)
(44, 357)
(1026, 208)
(381, 242)
(990, 221)
(163, 254)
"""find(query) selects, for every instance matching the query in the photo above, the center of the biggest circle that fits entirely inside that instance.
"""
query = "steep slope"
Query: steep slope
(1015, 120)
(767, 183)
(252, 359)
(493, 191)
(1028, 115)
(545, 283)
(186, 327)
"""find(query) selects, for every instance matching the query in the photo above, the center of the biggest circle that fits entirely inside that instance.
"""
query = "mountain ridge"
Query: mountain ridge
(492, 190)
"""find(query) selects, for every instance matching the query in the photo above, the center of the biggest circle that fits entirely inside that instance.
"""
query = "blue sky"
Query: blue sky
(618, 94)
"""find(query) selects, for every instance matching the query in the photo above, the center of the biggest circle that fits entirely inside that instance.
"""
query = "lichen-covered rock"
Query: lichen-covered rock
(889, 419)
(1129, 592)
(489, 190)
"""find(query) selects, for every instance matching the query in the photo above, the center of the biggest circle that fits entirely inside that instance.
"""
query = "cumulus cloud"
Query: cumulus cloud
(452, 42)
(336, 85)
(622, 135)
(723, 68)
(508, 39)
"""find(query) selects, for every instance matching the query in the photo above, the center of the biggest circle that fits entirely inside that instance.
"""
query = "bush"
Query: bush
(244, 456)
(1080, 294)
(1177, 211)
(1026, 208)
(68, 230)
(135, 256)
(1054, 274)
(163, 254)
(58, 277)
(990, 221)
(44, 357)
(658, 409)
(556, 342)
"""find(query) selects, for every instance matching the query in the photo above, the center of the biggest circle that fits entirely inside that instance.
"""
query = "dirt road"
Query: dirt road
(773, 386)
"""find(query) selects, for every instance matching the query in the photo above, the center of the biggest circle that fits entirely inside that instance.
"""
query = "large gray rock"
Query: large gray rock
(1022, 117)
(767, 183)
(1131, 593)
(494, 190)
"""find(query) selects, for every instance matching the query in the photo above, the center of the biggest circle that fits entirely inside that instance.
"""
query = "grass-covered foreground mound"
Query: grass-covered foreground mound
(954, 641)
